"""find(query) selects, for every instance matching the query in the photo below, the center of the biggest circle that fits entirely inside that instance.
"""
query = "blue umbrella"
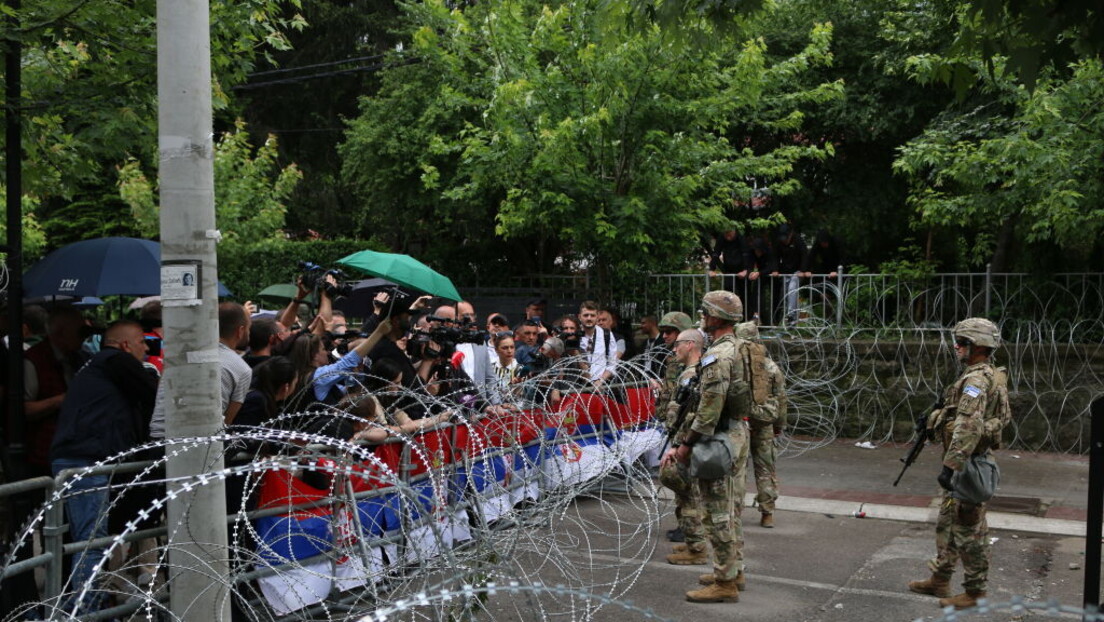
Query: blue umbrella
(100, 267)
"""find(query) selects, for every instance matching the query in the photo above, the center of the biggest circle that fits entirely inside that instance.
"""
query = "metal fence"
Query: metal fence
(494, 472)
(1071, 305)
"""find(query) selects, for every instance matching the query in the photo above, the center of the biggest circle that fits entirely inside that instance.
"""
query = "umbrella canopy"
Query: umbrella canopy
(402, 270)
(359, 302)
(281, 293)
(100, 267)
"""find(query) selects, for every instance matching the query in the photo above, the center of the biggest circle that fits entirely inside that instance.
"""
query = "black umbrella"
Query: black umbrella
(359, 302)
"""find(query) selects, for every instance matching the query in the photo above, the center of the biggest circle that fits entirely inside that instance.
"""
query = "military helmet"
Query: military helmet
(980, 332)
(676, 319)
(748, 330)
(723, 305)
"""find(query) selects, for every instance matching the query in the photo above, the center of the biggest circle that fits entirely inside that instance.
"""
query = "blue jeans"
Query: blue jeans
(86, 507)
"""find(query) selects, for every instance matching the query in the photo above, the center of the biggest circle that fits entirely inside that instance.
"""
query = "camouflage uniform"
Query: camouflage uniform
(673, 371)
(725, 400)
(762, 449)
(967, 426)
(687, 496)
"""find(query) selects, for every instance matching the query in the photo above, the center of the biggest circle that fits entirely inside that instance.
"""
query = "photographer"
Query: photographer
(550, 383)
(323, 380)
(313, 278)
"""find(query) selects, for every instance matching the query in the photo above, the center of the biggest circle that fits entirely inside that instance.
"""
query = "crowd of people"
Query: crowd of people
(768, 268)
(92, 394)
(408, 367)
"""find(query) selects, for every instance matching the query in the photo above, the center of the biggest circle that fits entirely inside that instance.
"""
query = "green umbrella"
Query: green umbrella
(403, 270)
(281, 293)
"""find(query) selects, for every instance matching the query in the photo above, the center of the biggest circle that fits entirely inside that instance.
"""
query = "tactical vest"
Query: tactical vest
(764, 408)
(998, 411)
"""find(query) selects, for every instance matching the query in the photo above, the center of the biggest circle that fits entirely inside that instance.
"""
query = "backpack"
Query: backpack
(764, 408)
(999, 411)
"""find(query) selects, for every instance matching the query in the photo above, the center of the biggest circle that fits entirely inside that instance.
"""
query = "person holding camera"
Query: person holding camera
(321, 379)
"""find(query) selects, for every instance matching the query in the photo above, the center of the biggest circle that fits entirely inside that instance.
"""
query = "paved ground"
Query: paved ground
(822, 564)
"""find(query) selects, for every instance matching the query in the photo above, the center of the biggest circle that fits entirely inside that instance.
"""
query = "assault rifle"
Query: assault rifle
(686, 397)
(922, 436)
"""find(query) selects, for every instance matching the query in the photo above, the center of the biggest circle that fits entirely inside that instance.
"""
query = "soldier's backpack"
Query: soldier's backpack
(999, 411)
(763, 408)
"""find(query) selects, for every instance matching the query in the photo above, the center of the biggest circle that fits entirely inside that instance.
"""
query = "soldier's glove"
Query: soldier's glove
(945, 478)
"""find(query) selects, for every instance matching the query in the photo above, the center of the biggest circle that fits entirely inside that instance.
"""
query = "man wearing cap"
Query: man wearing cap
(975, 410)
(535, 308)
(723, 408)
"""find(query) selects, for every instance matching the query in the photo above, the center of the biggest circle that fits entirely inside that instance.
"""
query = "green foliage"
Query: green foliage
(1035, 159)
(90, 83)
(610, 148)
(248, 268)
(250, 190)
(34, 238)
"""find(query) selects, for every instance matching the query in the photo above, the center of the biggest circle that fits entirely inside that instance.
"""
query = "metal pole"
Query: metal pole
(839, 297)
(198, 552)
(13, 152)
(1095, 518)
(988, 286)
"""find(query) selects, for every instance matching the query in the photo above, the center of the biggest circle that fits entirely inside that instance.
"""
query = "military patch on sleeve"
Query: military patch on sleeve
(971, 391)
(708, 360)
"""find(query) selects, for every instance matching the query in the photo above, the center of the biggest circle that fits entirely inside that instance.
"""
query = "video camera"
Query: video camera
(314, 276)
(447, 335)
(572, 338)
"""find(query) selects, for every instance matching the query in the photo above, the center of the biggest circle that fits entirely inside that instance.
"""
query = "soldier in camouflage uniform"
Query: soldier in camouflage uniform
(975, 411)
(670, 326)
(764, 429)
(724, 406)
(688, 350)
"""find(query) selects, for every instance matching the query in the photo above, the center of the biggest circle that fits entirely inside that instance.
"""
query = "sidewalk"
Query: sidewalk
(1039, 492)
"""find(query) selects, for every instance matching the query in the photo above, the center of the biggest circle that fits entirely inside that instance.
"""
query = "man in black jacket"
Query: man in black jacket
(106, 411)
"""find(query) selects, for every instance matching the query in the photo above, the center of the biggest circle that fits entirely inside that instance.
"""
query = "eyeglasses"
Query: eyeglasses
(678, 341)
(963, 343)
(505, 333)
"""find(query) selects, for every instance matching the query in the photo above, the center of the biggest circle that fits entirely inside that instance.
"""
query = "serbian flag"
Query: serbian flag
(483, 475)
(286, 542)
(426, 502)
(634, 428)
(578, 452)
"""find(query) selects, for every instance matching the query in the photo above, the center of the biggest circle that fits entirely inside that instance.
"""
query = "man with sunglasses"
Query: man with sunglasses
(969, 425)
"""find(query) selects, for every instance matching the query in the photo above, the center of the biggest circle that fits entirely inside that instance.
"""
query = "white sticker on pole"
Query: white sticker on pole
(180, 283)
(202, 356)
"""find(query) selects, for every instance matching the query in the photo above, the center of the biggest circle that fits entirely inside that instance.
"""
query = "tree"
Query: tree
(1026, 164)
(612, 148)
(90, 87)
(250, 190)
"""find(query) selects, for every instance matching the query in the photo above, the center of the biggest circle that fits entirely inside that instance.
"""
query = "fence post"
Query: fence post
(988, 286)
(839, 297)
(53, 528)
(1095, 520)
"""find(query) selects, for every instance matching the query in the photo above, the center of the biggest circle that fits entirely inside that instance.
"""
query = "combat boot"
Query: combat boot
(767, 521)
(965, 600)
(935, 586)
(688, 558)
(710, 579)
(719, 592)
